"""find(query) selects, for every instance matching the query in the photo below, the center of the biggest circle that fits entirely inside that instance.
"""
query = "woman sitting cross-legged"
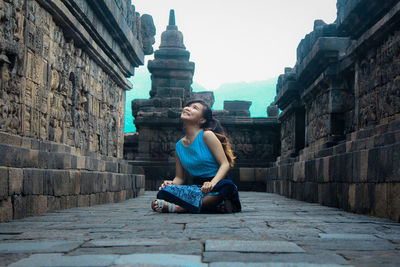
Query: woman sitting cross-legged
(205, 153)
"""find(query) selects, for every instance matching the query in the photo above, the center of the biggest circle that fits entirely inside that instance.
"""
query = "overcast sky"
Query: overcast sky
(236, 40)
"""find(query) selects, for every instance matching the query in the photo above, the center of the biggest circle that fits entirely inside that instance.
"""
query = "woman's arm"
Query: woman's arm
(215, 146)
(179, 174)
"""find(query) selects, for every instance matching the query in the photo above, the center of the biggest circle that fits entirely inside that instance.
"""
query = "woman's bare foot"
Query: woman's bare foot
(168, 207)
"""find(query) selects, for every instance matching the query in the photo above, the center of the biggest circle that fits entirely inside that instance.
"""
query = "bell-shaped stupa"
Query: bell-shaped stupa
(171, 71)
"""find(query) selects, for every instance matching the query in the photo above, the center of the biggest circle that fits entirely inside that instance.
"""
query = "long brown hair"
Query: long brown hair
(214, 125)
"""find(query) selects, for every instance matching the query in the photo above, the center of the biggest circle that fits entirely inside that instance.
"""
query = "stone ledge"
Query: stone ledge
(354, 17)
(82, 35)
(325, 51)
(377, 32)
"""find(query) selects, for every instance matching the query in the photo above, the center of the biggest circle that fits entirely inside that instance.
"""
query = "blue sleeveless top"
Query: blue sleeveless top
(197, 158)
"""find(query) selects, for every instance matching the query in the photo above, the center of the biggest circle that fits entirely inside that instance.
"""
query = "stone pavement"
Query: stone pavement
(271, 231)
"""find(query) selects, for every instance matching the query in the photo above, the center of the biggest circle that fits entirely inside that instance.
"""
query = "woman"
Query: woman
(206, 154)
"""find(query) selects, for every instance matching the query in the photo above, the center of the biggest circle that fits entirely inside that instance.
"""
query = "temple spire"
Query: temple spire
(171, 25)
(171, 17)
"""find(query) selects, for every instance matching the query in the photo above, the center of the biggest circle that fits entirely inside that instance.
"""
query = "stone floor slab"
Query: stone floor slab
(160, 260)
(59, 260)
(314, 258)
(38, 246)
(252, 246)
(348, 236)
(272, 264)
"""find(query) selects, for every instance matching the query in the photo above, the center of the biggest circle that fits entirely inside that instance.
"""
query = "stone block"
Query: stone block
(175, 102)
(140, 181)
(298, 191)
(326, 169)
(83, 200)
(35, 205)
(93, 200)
(91, 163)
(28, 158)
(102, 166)
(48, 182)
(75, 180)
(342, 195)
(53, 203)
(87, 182)
(129, 194)
(385, 167)
(310, 170)
(393, 196)
(11, 159)
(81, 162)
(363, 167)
(272, 173)
(373, 165)
(130, 181)
(63, 260)
(352, 196)
(110, 197)
(101, 198)
(33, 182)
(111, 166)
(72, 202)
(381, 200)
(6, 210)
(247, 175)
(60, 180)
(122, 168)
(103, 181)
(117, 196)
(44, 160)
(158, 260)
(327, 194)
(123, 195)
(15, 181)
(310, 192)
(395, 175)
(237, 105)
(114, 184)
(4, 184)
(253, 246)
(19, 206)
(9, 139)
(97, 182)
(260, 174)
(363, 198)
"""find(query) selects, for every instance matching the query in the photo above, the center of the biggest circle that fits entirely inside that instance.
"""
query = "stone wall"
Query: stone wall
(341, 113)
(63, 66)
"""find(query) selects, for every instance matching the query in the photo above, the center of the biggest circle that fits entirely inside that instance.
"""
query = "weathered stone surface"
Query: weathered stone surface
(272, 264)
(35, 246)
(62, 260)
(129, 232)
(340, 112)
(4, 183)
(15, 181)
(251, 246)
(160, 259)
(63, 95)
(6, 209)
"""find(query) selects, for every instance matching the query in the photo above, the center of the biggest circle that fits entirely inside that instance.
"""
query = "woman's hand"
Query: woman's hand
(166, 182)
(207, 187)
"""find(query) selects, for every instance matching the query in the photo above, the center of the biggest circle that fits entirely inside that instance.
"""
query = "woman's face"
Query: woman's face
(193, 112)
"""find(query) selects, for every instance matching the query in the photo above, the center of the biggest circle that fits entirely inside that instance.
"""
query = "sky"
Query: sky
(235, 40)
